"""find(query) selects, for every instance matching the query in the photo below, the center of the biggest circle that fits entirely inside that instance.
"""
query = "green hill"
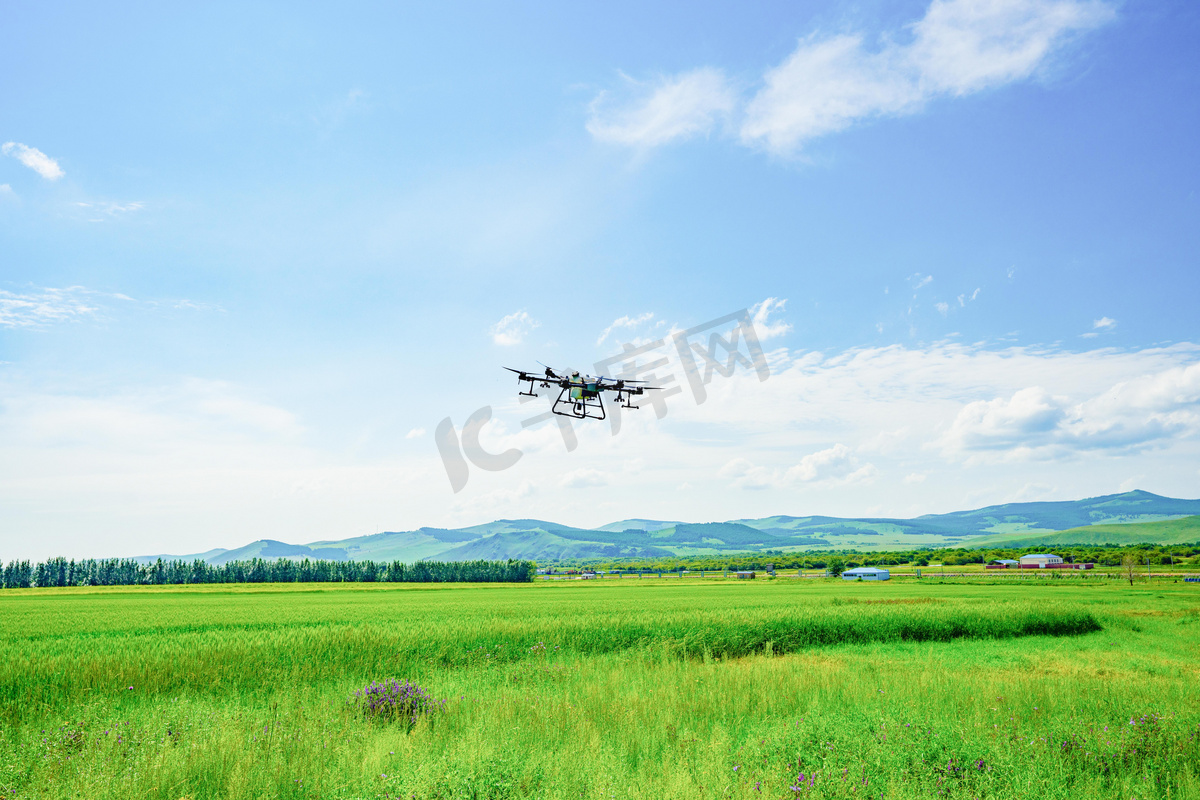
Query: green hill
(1174, 531)
(1087, 521)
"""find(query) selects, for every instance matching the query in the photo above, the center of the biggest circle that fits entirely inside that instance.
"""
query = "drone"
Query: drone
(580, 396)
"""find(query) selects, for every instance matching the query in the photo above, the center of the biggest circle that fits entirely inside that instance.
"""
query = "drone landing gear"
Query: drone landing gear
(578, 407)
(531, 392)
(625, 401)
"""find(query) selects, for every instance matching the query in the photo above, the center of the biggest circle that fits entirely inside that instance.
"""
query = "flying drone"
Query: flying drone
(580, 396)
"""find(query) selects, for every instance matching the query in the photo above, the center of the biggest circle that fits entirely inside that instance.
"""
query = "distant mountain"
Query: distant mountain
(1008, 525)
(1174, 531)
(637, 524)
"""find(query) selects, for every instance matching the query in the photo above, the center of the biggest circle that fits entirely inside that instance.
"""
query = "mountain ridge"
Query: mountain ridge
(542, 540)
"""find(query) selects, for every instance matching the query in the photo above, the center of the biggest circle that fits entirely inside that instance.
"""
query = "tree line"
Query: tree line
(130, 572)
(1109, 555)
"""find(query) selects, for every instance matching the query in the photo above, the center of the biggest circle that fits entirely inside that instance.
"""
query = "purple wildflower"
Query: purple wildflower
(394, 699)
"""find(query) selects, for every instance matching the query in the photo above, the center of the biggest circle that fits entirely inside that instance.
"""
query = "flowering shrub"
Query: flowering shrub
(394, 700)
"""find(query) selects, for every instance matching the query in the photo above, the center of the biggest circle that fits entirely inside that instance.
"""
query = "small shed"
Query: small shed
(1003, 563)
(744, 575)
(1040, 560)
(867, 574)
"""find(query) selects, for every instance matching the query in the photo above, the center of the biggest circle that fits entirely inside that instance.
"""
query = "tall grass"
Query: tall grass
(214, 643)
(569, 691)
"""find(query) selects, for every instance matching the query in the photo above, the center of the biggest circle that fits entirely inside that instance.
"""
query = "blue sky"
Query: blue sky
(250, 258)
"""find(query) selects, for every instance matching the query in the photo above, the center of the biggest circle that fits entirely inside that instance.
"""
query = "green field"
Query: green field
(604, 689)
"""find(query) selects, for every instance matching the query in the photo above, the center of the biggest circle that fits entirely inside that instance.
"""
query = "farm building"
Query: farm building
(866, 574)
(1003, 563)
(1050, 561)
(744, 575)
(1039, 560)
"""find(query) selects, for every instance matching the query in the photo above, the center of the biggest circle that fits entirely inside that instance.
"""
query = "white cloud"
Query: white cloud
(822, 87)
(6, 190)
(760, 312)
(943, 308)
(33, 158)
(1104, 323)
(198, 458)
(744, 474)
(1147, 411)
(1028, 418)
(963, 46)
(624, 322)
(415, 433)
(512, 329)
(670, 108)
(836, 464)
(920, 280)
(959, 47)
(583, 478)
(830, 82)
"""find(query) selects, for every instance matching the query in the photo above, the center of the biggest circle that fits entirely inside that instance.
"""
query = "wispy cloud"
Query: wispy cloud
(512, 329)
(830, 82)
(1099, 326)
(657, 112)
(111, 208)
(963, 299)
(36, 308)
(44, 306)
(33, 158)
(187, 305)
(761, 313)
(415, 433)
(624, 322)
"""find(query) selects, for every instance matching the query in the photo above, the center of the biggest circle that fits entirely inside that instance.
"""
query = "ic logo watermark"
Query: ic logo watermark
(731, 342)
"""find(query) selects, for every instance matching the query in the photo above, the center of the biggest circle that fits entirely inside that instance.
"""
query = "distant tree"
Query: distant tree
(835, 566)
(1129, 566)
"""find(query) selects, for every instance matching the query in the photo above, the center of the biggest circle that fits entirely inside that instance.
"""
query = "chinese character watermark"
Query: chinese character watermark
(726, 348)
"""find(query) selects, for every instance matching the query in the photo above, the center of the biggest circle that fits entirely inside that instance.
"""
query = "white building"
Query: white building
(867, 574)
(1040, 560)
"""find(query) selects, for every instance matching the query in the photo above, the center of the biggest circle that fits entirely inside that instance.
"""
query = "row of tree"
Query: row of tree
(130, 572)
(1102, 555)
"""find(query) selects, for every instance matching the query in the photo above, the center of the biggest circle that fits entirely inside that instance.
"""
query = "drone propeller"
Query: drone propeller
(550, 373)
(522, 375)
(618, 382)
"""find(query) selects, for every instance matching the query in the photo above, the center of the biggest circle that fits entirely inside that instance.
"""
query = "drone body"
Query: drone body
(581, 396)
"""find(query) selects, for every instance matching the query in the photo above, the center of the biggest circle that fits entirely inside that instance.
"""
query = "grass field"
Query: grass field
(605, 689)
